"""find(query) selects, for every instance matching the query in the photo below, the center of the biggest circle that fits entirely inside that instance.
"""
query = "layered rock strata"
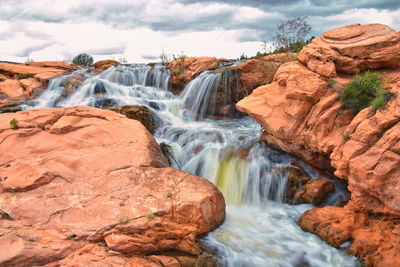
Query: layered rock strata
(301, 114)
(82, 185)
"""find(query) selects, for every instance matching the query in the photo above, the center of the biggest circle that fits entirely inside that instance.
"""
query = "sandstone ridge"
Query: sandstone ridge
(87, 186)
(301, 114)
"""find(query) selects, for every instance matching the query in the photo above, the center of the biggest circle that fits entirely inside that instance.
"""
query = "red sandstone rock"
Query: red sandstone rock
(98, 255)
(257, 72)
(38, 69)
(351, 49)
(29, 79)
(30, 85)
(282, 106)
(12, 89)
(301, 114)
(104, 64)
(53, 64)
(315, 191)
(375, 241)
(74, 177)
(185, 69)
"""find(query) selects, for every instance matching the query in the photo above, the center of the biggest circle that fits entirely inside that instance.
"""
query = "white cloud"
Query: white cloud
(96, 39)
(139, 30)
(367, 16)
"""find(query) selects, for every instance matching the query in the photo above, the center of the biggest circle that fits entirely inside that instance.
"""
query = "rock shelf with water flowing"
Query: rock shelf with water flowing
(260, 228)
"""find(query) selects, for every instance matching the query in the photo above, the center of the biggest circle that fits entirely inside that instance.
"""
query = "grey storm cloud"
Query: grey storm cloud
(134, 14)
(28, 50)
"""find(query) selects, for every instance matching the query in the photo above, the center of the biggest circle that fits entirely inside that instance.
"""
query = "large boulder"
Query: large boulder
(283, 106)
(82, 185)
(301, 114)
(184, 69)
(351, 49)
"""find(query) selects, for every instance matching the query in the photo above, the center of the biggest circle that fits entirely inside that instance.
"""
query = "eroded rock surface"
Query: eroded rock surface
(82, 185)
(301, 114)
(351, 49)
(258, 72)
(375, 240)
(27, 81)
(104, 64)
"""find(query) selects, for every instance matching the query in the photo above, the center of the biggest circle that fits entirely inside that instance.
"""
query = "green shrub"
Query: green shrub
(24, 76)
(378, 103)
(14, 123)
(367, 89)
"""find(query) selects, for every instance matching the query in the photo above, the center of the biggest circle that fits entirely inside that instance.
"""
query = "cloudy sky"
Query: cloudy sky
(138, 30)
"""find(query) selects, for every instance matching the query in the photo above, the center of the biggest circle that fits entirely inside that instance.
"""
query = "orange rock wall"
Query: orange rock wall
(301, 114)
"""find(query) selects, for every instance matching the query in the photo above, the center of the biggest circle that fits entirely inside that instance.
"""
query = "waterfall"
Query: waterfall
(158, 77)
(260, 229)
(117, 86)
(212, 93)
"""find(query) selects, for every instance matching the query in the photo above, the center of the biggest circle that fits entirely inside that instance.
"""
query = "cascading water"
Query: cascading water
(260, 230)
(203, 96)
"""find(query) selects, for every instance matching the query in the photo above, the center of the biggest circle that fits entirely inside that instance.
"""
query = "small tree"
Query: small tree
(83, 60)
(290, 36)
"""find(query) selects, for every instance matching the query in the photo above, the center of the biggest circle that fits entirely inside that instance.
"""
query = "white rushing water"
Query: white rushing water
(260, 229)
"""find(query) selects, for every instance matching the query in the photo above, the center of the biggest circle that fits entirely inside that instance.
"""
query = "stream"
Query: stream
(260, 229)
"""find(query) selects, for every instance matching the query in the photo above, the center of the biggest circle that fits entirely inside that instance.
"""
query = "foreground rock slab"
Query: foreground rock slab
(82, 185)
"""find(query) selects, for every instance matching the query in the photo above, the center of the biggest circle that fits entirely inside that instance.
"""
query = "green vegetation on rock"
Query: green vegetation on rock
(367, 89)
(14, 123)
(24, 76)
(150, 216)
